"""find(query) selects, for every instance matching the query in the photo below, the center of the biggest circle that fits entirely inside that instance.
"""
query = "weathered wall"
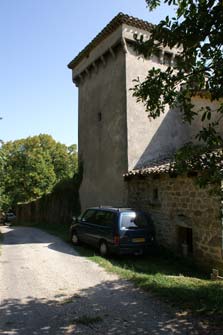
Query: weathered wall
(176, 203)
(102, 132)
(149, 139)
(202, 102)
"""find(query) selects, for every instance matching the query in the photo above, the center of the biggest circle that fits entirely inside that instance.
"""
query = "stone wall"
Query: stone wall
(187, 219)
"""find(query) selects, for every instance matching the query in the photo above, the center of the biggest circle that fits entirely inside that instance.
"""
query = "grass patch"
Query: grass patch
(70, 300)
(176, 281)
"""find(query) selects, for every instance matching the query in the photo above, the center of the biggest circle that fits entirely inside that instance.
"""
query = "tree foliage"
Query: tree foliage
(197, 32)
(31, 167)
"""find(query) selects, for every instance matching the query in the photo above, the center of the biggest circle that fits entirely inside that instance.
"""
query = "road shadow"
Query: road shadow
(31, 235)
(155, 261)
(110, 308)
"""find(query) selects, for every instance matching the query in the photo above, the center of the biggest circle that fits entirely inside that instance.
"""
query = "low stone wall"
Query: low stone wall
(187, 219)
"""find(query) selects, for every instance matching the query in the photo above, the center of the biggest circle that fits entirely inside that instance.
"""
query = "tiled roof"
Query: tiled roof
(160, 167)
(169, 165)
(112, 26)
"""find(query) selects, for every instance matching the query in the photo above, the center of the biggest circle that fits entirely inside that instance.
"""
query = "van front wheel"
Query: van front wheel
(74, 238)
(103, 249)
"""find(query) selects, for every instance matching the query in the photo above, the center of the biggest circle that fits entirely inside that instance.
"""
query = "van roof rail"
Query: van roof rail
(105, 206)
(118, 208)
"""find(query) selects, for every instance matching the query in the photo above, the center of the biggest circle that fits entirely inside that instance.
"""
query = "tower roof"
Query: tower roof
(112, 26)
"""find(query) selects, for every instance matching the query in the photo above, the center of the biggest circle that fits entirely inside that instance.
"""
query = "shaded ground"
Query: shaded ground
(47, 288)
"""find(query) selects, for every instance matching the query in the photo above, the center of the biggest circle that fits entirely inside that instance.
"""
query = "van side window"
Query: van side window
(99, 217)
(89, 216)
(110, 219)
(104, 218)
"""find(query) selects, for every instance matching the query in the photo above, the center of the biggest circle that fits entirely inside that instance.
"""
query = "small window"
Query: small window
(167, 59)
(177, 61)
(99, 116)
(155, 194)
(185, 240)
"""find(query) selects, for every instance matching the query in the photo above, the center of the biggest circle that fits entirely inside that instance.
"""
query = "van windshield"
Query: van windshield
(133, 220)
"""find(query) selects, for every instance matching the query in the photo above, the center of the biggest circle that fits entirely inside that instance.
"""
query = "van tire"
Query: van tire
(103, 249)
(74, 238)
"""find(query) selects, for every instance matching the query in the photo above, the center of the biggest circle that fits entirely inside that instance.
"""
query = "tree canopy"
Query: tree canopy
(197, 30)
(31, 167)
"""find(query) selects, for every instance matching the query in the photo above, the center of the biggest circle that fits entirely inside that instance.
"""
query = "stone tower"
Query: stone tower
(115, 134)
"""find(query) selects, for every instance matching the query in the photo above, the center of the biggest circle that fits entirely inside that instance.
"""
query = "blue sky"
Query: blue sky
(38, 39)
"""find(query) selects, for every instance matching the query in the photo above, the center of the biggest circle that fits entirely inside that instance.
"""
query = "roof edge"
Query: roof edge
(155, 167)
(118, 20)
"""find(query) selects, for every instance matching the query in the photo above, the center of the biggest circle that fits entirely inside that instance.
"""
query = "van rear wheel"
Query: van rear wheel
(103, 249)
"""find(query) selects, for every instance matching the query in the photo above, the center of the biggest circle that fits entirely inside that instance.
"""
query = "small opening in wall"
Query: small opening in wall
(167, 58)
(177, 61)
(155, 194)
(159, 55)
(185, 240)
(99, 116)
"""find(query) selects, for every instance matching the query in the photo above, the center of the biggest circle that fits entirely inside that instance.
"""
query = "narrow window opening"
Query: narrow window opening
(155, 194)
(99, 116)
(185, 240)
(177, 61)
(167, 58)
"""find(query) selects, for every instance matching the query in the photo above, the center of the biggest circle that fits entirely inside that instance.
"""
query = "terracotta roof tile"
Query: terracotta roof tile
(112, 26)
(158, 167)
(168, 165)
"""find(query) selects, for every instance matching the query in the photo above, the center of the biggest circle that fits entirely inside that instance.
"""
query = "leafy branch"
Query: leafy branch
(196, 32)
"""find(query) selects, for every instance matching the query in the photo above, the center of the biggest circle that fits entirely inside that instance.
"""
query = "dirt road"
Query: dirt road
(47, 288)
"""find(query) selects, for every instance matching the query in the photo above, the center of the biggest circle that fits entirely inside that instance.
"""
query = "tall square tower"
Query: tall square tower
(114, 132)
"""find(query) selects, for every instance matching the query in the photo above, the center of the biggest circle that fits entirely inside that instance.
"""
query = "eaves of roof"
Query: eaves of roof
(168, 165)
(112, 26)
(155, 168)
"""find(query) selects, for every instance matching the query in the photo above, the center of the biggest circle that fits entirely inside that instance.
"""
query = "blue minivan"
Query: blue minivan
(114, 230)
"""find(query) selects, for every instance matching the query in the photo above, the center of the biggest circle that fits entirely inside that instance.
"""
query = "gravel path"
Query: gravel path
(47, 288)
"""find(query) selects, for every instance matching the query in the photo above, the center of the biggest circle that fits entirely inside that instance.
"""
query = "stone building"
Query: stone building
(187, 218)
(116, 137)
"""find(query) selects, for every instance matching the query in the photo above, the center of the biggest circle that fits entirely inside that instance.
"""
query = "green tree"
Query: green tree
(197, 30)
(33, 166)
(4, 201)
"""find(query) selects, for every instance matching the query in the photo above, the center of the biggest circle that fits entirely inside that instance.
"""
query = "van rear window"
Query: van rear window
(133, 220)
